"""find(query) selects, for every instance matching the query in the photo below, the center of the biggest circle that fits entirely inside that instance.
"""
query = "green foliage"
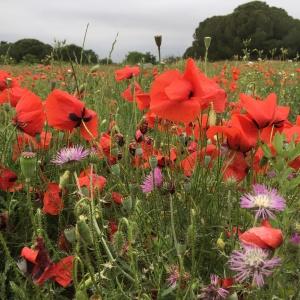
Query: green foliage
(135, 57)
(75, 53)
(268, 28)
(29, 49)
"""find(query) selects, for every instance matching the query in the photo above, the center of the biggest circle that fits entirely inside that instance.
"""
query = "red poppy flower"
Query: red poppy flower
(180, 97)
(38, 257)
(235, 167)
(127, 94)
(8, 179)
(44, 269)
(53, 203)
(143, 100)
(60, 272)
(30, 116)
(87, 180)
(263, 236)
(6, 81)
(188, 164)
(240, 131)
(126, 73)
(112, 229)
(42, 142)
(12, 95)
(117, 197)
(266, 112)
(65, 112)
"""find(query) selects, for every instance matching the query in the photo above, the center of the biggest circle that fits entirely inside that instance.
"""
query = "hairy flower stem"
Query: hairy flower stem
(30, 208)
(179, 257)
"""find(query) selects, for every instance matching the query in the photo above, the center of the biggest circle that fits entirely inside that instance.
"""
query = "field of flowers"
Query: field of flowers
(150, 182)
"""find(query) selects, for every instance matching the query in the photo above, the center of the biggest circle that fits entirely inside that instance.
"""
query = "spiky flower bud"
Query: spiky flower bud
(28, 162)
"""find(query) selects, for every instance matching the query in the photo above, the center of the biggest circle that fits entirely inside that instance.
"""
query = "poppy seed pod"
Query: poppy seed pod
(158, 39)
(207, 41)
(28, 161)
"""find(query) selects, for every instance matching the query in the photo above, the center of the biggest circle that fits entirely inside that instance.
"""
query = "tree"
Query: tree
(76, 54)
(268, 27)
(135, 57)
(34, 48)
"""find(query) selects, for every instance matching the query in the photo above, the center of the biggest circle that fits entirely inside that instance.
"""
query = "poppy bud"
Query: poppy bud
(132, 148)
(8, 82)
(3, 220)
(220, 243)
(153, 162)
(207, 41)
(64, 179)
(114, 151)
(84, 231)
(118, 241)
(143, 127)
(297, 227)
(115, 169)
(52, 85)
(119, 138)
(70, 234)
(139, 136)
(28, 161)
(94, 68)
(127, 204)
(212, 117)
(190, 235)
(187, 186)
(139, 151)
(81, 295)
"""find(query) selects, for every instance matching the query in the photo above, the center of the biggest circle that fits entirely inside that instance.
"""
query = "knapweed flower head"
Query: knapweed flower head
(213, 291)
(153, 180)
(265, 201)
(70, 154)
(174, 276)
(252, 263)
(295, 239)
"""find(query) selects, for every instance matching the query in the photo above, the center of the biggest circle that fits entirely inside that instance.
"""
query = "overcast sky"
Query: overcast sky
(136, 21)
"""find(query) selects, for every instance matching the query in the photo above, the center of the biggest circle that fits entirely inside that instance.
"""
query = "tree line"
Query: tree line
(269, 31)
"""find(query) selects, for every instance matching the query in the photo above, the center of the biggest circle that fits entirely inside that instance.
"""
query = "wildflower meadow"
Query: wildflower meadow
(167, 181)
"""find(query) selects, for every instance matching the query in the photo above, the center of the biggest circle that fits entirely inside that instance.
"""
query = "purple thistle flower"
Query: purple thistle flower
(213, 291)
(264, 200)
(252, 263)
(173, 276)
(70, 154)
(154, 179)
(295, 239)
